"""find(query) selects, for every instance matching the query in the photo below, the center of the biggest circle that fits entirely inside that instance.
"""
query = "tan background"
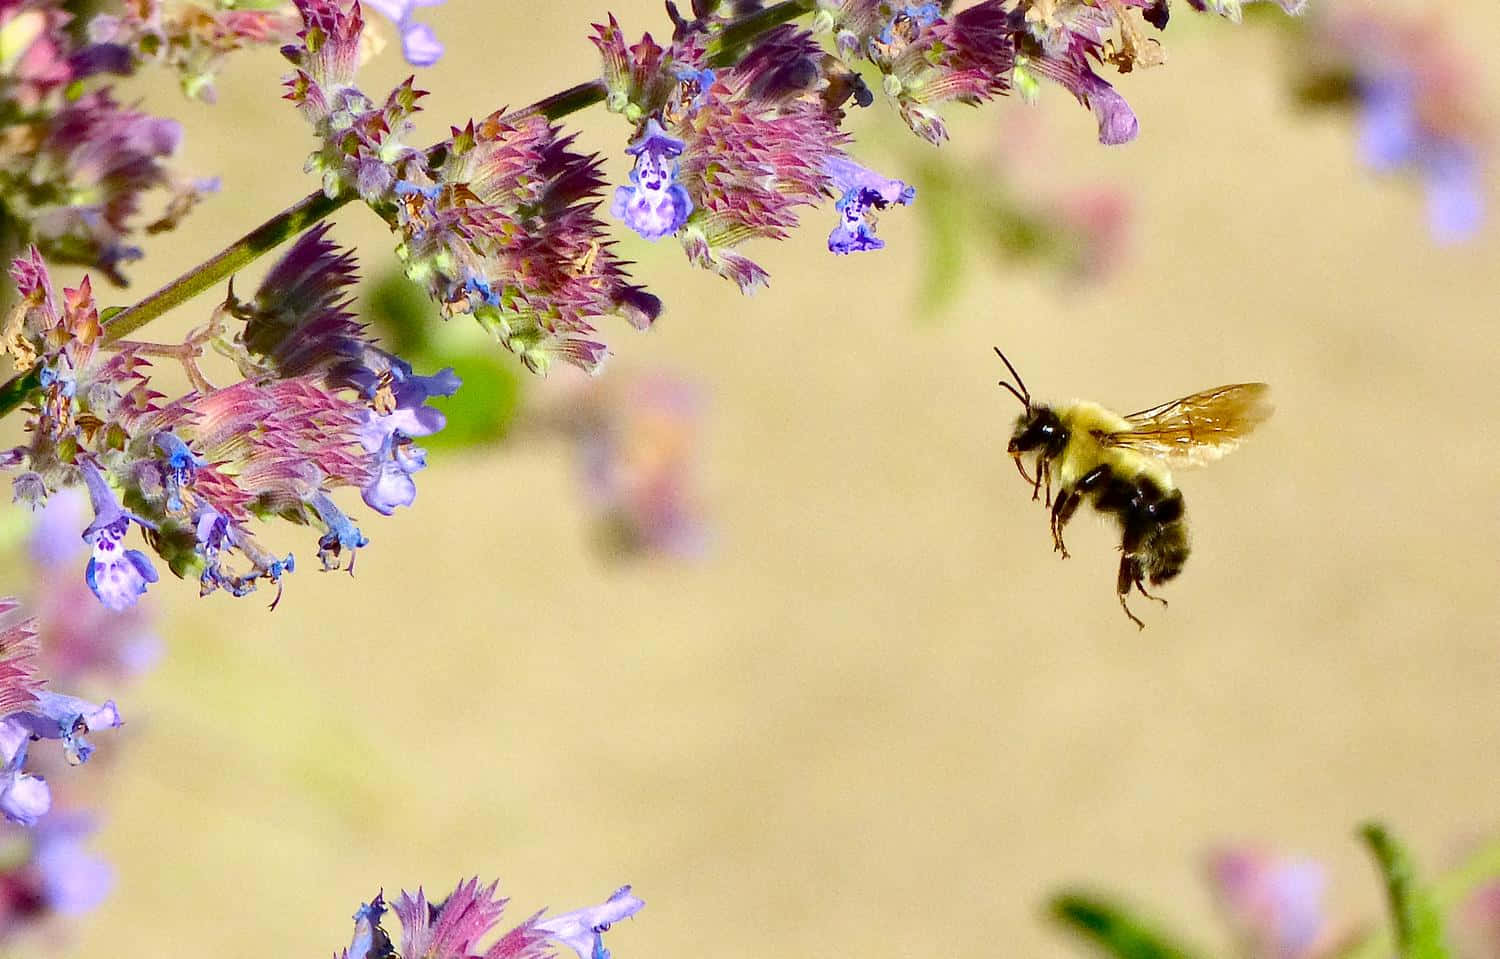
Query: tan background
(883, 719)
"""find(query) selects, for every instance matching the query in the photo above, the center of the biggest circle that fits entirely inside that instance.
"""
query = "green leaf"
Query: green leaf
(1419, 924)
(18, 389)
(485, 407)
(1113, 928)
(109, 313)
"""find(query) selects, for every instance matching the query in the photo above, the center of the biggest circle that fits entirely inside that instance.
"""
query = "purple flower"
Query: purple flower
(1275, 904)
(1392, 137)
(73, 880)
(583, 929)
(116, 575)
(66, 718)
(398, 414)
(655, 204)
(342, 534)
(419, 44)
(23, 798)
(178, 467)
(865, 192)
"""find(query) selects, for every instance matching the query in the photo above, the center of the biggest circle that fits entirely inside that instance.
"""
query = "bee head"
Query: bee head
(1039, 428)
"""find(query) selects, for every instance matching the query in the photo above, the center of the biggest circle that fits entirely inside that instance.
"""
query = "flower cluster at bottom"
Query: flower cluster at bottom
(317, 407)
(454, 927)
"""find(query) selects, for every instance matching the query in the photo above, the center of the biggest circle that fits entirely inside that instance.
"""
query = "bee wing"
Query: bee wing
(1196, 429)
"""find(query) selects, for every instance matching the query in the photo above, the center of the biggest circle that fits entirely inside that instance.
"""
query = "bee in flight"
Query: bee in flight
(1122, 462)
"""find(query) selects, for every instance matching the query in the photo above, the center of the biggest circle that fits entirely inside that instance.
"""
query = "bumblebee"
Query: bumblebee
(1121, 464)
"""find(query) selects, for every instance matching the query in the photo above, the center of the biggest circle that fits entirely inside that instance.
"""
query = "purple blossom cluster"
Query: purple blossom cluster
(454, 927)
(730, 138)
(318, 407)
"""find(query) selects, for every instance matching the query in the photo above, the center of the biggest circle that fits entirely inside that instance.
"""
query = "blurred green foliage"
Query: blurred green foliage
(1414, 913)
(1113, 928)
(483, 411)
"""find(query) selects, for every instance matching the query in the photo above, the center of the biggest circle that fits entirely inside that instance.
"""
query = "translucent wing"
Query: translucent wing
(1196, 429)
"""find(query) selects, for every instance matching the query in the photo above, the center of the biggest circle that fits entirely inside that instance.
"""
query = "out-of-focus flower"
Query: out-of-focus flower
(419, 44)
(452, 928)
(1416, 97)
(1274, 904)
(639, 449)
(69, 879)
(1476, 926)
(192, 39)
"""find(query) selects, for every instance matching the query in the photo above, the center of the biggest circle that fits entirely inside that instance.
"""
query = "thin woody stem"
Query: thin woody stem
(726, 48)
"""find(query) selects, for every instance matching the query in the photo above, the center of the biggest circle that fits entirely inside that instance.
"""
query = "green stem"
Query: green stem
(727, 46)
(725, 49)
(242, 252)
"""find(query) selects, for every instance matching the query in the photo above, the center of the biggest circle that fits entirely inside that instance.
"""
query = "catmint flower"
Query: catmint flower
(178, 467)
(864, 193)
(503, 228)
(81, 637)
(754, 151)
(419, 44)
(1275, 904)
(638, 449)
(342, 534)
(583, 930)
(71, 880)
(94, 162)
(192, 39)
(398, 414)
(118, 576)
(1416, 113)
(24, 798)
(65, 718)
(452, 928)
(654, 205)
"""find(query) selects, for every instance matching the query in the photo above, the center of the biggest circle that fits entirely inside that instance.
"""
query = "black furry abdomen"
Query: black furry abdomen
(1154, 533)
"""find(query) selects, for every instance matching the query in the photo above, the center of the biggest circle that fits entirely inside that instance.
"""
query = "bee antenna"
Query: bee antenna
(1023, 394)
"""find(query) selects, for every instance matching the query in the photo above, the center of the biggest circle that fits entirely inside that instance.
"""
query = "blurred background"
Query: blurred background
(870, 712)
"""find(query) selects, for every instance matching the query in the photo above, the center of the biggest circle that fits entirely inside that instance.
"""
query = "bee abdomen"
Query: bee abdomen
(1165, 551)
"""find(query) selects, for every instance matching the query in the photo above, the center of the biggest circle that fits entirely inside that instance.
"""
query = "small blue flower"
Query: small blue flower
(398, 414)
(583, 929)
(117, 576)
(697, 82)
(65, 718)
(342, 533)
(911, 18)
(419, 44)
(178, 468)
(24, 798)
(655, 204)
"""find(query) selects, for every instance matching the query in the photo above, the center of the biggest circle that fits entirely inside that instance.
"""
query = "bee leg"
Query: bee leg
(1130, 575)
(1140, 584)
(1016, 458)
(1047, 472)
(1063, 509)
(1036, 484)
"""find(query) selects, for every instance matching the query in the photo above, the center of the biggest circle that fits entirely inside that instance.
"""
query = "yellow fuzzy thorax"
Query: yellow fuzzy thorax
(1083, 452)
